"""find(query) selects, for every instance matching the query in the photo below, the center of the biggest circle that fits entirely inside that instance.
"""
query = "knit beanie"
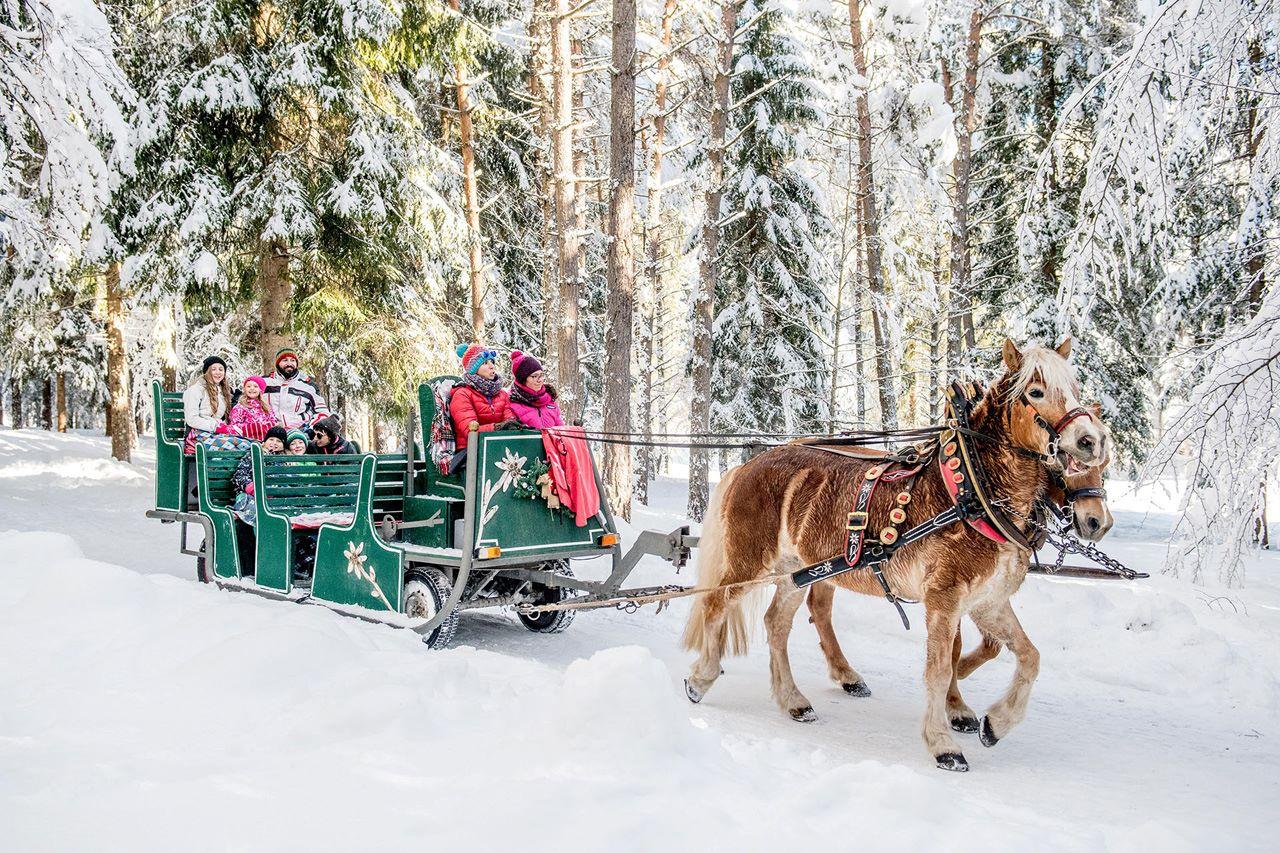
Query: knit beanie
(211, 361)
(295, 435)
(474, 355)
(284, 352)
(329, 424)
(259, 381)
(278, 432)
(523, 365)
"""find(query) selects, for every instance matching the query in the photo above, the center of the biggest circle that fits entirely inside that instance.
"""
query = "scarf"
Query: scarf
(488, 387)
(528, 397)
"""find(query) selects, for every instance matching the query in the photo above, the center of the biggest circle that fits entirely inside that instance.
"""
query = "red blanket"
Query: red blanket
(572, 471)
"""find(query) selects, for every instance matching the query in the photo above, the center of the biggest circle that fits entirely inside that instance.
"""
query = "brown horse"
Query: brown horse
(788, 508)
(1090, 518)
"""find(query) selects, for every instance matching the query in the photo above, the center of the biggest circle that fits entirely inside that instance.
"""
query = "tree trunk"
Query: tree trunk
(620, 272)
(120, 418)
(1047, 106)
(2, 392)
(961, 169)
(871, 229)
(470, 194)
(859, 331)
(568, 240)
(541, 92)
(61, 394)
(708, 266)
(15, 385)
(46, 404)
(276, 291)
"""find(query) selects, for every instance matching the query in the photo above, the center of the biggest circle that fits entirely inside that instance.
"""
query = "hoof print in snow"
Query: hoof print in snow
(968, 725)
(857, 688)
(987, 735)
(694, 694)
(952, 761)
(803, 715)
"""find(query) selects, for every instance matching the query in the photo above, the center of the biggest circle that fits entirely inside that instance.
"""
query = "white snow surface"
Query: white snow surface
(141, 710)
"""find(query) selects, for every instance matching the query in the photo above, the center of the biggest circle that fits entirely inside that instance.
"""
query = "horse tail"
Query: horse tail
(732, 635)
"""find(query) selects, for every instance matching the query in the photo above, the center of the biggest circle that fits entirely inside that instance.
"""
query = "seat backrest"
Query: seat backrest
(438, 439)
(302, 484)
(219, 467)
(170, 422)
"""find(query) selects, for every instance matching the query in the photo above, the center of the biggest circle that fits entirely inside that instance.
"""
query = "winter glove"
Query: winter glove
(248, 489)
(510, 423)
(223, 429)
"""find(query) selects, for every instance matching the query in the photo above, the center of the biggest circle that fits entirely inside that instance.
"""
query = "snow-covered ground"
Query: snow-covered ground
(140, 710)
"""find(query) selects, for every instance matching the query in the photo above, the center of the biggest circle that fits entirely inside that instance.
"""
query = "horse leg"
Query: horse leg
(711, 646)
(942, 620)
(1001, 622)
(961, 715)
(777, 621)
(820, 598)
(986, 651)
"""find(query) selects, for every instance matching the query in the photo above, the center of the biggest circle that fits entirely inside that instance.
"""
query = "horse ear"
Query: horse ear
(1012, 356)
(1064, 349)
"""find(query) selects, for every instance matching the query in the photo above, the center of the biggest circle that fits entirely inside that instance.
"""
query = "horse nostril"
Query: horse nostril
(1086, 443)
(1094, 524)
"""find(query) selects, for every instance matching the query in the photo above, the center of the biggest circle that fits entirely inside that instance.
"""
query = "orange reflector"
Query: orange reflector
(608, 540)
(488, 553)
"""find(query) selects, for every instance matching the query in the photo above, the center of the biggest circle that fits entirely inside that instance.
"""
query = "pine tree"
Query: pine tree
(768, 363)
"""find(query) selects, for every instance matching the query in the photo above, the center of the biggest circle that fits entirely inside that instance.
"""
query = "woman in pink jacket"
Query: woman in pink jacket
(532, 400)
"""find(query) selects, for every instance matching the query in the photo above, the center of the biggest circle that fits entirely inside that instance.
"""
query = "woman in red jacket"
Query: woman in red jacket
(478, 399)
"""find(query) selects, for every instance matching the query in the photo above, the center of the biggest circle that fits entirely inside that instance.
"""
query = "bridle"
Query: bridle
(1054, 430)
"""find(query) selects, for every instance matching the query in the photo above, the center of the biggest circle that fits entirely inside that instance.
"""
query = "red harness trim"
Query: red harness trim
(1078, 412)
(979, 524)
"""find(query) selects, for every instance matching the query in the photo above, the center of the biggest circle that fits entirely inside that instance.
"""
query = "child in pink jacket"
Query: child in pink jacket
(532, 400)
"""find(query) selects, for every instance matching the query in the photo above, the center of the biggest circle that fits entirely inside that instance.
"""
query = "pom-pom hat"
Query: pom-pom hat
(474, 355)
(523, 365)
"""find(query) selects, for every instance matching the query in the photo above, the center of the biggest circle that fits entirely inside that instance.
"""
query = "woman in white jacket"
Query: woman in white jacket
(206, 403)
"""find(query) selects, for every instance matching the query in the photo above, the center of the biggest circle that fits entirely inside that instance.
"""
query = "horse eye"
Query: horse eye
(1036, 394)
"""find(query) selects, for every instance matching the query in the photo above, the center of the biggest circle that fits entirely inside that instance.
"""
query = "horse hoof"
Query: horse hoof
(695, 695)
(803, 715)
(857, 688)
(968, 725)
(952, 761)
(987, 735)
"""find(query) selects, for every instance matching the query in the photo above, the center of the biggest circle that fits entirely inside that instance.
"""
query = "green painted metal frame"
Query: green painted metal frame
(171, 467)
(224, 556)
(353, 565)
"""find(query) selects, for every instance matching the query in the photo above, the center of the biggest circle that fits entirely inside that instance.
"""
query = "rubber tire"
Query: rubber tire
(555, 621)
(433, 584)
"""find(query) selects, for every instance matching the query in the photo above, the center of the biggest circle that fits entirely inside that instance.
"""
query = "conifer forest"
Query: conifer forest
(766, 218)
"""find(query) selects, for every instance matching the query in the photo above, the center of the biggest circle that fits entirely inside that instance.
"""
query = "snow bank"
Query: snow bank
(147, 712)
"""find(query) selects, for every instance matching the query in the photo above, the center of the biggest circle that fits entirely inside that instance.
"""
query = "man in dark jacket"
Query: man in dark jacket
(328, 438)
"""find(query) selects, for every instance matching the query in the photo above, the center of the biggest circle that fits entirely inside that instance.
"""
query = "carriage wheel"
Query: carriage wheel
(553, 621)
(425, 592)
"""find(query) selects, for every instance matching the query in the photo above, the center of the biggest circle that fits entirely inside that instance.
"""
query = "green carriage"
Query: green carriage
(394, 539)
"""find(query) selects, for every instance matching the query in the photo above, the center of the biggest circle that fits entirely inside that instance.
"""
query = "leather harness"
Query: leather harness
(965, 480)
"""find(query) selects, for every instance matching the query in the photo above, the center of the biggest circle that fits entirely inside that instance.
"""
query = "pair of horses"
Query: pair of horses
(790, 507)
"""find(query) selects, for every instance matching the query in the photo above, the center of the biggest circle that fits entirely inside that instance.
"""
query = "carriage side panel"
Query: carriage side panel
(523, 526)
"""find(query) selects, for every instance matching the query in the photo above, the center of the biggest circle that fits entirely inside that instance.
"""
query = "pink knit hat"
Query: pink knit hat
(523, 365)
(259, 381)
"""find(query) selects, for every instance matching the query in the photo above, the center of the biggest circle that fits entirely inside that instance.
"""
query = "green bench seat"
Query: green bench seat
(171, 433)
(353, 565)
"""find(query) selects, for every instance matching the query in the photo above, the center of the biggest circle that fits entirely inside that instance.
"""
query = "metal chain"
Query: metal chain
(1066, 541)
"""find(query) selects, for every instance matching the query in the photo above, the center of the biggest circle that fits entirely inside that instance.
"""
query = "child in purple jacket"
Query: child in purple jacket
(532, 400)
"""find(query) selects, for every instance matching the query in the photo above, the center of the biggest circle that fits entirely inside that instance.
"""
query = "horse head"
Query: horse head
(1043, 401)
(1090, 515)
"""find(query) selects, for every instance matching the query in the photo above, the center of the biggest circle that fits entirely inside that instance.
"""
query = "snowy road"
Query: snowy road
(140, 710)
